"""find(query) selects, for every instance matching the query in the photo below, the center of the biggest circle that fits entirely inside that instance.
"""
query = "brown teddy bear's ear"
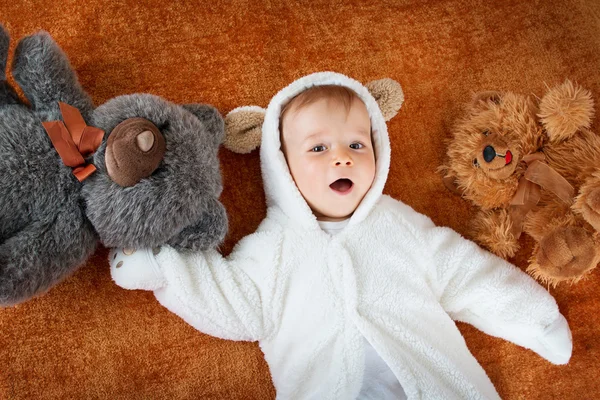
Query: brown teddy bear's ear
(389, 96)
(243, 128)
(449, 180)
(451, 185)
(565, 109)
(481, 99)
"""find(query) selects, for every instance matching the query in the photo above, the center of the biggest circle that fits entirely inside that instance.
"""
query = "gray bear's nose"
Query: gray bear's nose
(145, 141)
(134, 150)
(489, 154)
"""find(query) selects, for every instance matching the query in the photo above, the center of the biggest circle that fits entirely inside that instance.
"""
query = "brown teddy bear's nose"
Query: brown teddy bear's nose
(134, 150)
(489, 153)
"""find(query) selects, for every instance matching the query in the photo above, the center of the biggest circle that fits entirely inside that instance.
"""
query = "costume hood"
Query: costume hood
(246, 125)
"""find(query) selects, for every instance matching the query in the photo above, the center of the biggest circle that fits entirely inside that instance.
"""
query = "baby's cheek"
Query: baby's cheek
(313, 168)
(300, 174)
(368, 168)
(311, 179)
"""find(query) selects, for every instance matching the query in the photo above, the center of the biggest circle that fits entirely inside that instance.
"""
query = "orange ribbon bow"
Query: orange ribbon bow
(74, 140)
(537, 176)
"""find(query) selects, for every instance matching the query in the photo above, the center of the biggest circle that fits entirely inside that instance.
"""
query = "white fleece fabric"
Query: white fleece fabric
(390, 276)
(379, 381)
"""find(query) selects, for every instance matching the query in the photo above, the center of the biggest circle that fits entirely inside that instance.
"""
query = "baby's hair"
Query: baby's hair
(334, 93)
(338, 94)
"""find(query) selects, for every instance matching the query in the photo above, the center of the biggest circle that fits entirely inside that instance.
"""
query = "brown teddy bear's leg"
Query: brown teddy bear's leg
(567, 253)
(588, 202)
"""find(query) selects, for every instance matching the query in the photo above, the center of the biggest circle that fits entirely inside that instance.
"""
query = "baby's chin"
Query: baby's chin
(343, 210)
(332, 216)
(333, 219)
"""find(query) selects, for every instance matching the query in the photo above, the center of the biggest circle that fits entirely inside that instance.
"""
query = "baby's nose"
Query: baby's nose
(342, 159)
(348, 163)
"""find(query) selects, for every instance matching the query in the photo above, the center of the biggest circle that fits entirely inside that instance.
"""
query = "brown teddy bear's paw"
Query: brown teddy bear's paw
(566, 254)
(502, 248)
(494, 231)
(589, 206)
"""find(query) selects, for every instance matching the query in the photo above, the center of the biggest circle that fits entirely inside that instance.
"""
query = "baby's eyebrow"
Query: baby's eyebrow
(363, 132)
(312, 137)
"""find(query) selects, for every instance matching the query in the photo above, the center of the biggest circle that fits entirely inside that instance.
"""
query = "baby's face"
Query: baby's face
(330, 156)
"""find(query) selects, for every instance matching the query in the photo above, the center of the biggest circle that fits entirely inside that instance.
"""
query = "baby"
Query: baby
(350, 293)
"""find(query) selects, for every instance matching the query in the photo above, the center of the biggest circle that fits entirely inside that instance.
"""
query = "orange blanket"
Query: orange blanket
(87, 338)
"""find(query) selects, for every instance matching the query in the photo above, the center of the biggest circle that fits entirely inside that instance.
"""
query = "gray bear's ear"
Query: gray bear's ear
(389, 96)
(211, 118)
(243, 128)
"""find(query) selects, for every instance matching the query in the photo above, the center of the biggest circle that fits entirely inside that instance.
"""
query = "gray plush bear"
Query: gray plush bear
(137, 171)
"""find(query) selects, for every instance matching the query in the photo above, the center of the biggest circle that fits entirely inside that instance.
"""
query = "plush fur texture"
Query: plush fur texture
(389, 96)
(179, 193)
(567, 240)
(50, 223)
(243, 125)
(7, 94)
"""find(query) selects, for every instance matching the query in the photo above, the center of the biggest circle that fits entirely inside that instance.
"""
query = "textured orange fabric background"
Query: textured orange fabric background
(87, 338)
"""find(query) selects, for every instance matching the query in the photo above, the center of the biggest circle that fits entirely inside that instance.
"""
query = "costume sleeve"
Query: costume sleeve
(479, 288)
(223, 297)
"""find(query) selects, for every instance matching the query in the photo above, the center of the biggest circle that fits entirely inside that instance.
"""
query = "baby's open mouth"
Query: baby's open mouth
(343, 185)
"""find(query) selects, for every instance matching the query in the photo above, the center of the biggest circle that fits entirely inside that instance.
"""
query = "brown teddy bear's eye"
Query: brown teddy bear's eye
(475, 163)
(486, 133)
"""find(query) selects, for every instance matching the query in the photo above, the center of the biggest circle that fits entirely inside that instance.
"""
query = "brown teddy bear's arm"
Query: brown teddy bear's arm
(493, 230)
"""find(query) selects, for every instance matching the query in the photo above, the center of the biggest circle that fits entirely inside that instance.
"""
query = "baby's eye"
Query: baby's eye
(318, 149)
(356, 146)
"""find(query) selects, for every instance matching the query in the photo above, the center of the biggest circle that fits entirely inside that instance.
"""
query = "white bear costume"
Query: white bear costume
(390, 276)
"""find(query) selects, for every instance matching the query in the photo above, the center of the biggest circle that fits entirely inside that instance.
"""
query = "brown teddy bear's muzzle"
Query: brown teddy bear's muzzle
(495, 158)
(134, 150)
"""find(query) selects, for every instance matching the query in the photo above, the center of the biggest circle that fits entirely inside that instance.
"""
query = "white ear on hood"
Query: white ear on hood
(243, 128)
(389, 96)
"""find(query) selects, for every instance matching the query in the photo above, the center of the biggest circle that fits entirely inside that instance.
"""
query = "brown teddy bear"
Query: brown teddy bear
(532, 166)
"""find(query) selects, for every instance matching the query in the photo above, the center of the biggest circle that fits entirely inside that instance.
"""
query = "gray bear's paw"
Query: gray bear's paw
(35, 54)
(17, 282)
(4, 43)
(44, 73)
(7, 94)
(209, 231)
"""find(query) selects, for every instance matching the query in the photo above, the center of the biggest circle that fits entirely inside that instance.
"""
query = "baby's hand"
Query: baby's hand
(556, 344)
(135, 269)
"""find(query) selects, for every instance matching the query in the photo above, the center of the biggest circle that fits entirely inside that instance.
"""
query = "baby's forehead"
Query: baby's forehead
(326, 95)
(323, 102)
(318, 118)
(328, 110)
